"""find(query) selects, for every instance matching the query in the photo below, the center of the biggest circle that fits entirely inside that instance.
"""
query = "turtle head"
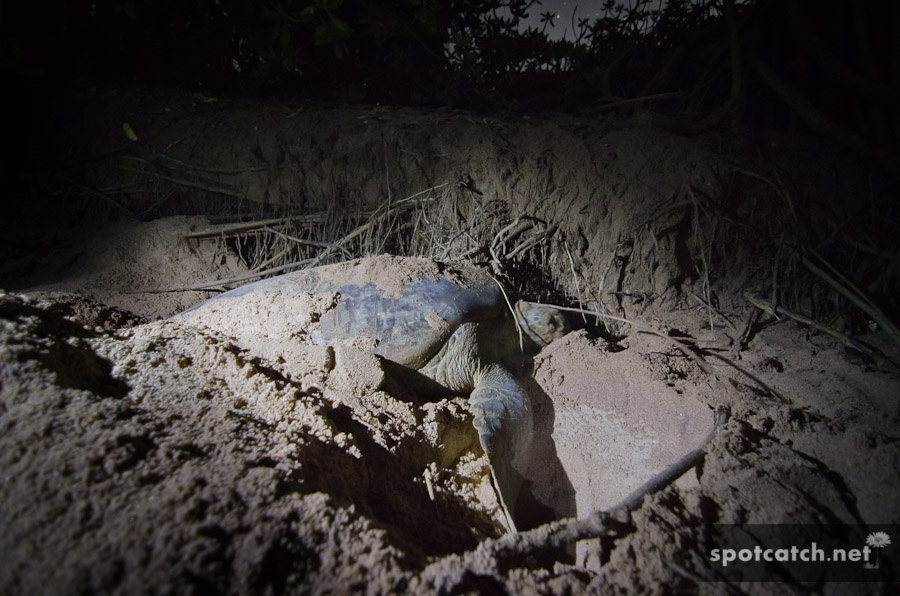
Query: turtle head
(541, 323)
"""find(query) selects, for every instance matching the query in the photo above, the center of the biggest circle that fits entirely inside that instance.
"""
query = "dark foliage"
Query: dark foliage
(684, 58)
(684, 55)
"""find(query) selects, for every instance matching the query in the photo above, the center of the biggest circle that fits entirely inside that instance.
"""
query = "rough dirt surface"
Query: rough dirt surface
(140, 454)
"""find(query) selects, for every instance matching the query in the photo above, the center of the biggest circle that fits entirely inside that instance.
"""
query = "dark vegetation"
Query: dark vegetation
(828, 61)
(839, 56)
(826, 68)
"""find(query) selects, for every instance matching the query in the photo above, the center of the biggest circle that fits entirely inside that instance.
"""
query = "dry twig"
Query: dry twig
(775, 311)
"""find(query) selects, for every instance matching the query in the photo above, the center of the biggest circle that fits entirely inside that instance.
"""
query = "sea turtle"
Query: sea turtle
(450, 322)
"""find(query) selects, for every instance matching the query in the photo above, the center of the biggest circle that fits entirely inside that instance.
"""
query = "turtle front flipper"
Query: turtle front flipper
(503, 420)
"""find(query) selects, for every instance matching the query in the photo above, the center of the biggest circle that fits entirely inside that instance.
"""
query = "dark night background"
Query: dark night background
(840, 58)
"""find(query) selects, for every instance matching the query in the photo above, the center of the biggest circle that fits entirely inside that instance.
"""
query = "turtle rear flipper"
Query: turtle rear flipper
(503, 420)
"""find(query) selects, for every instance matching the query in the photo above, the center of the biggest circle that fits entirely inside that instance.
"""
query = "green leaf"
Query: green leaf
(129, 132)
(324, 34)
